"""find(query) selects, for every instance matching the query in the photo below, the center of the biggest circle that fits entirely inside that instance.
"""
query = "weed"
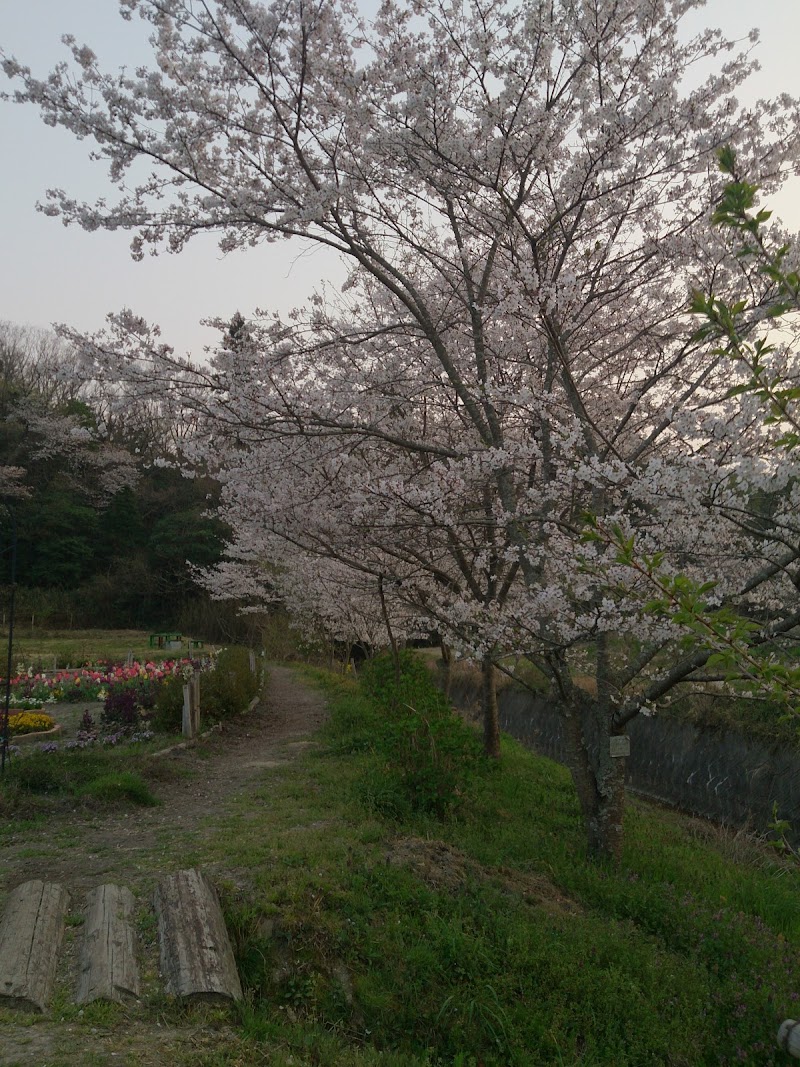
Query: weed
(426, 756)
(168, 710)
(104, 776)
(120, 785)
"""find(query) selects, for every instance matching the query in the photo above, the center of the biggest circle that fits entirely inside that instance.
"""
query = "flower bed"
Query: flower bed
(90, 683)
(138, 697)
(28, 739)
(22, 704)
(30, 722)
(84, 740)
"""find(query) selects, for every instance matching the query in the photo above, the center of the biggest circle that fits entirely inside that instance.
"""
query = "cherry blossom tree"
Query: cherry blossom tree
(504, 419)
(46, 411)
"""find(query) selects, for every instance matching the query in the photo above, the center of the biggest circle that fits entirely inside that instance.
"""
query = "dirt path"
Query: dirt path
(134, 848)
(84, 848)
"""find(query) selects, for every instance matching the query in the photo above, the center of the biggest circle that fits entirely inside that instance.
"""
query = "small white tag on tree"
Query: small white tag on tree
(620, 746)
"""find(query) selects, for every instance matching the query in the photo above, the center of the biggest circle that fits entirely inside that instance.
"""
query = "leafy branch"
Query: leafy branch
(728, 323)
(733, 639)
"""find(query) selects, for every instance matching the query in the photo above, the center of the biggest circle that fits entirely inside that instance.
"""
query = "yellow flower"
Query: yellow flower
(29, 722)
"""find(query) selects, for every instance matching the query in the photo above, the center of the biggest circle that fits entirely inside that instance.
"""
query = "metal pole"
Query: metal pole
(4, 736)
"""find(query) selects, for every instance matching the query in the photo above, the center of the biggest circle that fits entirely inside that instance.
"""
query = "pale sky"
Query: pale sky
(55, 274)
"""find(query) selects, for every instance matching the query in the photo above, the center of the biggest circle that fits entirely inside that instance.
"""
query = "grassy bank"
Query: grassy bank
(395, 901)
(48, 785)
(368, 932)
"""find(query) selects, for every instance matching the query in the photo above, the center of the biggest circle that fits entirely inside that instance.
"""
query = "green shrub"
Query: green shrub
(79, 773)
(167, 714)
(225, 690)
(426, 756)
(229, 687)
(120, 785)
(414, 687)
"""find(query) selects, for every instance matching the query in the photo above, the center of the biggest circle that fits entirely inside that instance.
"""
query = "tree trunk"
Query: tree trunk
(447, 660)
(491, 718)
(605, 824)
(599, 778)
(390, 632)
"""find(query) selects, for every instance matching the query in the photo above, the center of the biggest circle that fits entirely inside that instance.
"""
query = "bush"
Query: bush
(428, 756)
(121, 708)
(168, 710)
(229, 687)
(225, 690)
(120, 786)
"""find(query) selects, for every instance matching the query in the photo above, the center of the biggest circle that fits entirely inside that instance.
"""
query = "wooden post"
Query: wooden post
(252, 662)
(187, 723)
(195, 696)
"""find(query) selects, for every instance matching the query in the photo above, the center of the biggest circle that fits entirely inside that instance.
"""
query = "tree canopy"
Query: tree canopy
(103, 533)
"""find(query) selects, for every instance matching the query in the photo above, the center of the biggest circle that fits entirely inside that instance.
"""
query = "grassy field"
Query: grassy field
(370, 930)
(367, 934)
(48, 650)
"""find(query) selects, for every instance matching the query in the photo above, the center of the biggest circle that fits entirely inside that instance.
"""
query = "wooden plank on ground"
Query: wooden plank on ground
(196, 954)
(30, 936)
(108, 958)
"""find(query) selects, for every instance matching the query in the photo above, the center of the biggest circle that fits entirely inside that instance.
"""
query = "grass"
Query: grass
(46, 782)
(73, 648)
(119, 786)
(387, 935)
(489, 938)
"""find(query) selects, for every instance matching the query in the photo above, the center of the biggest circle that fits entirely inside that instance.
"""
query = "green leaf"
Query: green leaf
(726, 158)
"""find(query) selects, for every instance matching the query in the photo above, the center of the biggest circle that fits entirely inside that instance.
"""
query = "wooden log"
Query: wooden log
(30, 936)
(196, 954)
(789, 1037)
(108, 968)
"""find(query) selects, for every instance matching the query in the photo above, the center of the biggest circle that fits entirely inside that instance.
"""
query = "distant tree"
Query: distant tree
(35, 365)
(92, 505)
